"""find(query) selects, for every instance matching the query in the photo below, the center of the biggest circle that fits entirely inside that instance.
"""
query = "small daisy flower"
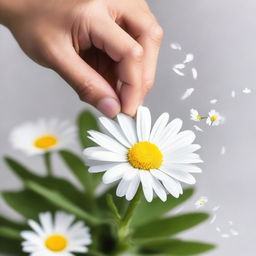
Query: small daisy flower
(43, 136)
(201, 202)
(56, 237)
(158, 157)
(194, 115)
(214, 118)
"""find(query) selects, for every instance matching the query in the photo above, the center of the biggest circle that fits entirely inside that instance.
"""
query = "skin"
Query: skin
(106, 50)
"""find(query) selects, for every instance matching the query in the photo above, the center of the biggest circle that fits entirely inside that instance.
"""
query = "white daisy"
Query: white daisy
(201, 202)
(158, 157)
(194, 115)
(43, 136)
(214, 118)
(56, 237)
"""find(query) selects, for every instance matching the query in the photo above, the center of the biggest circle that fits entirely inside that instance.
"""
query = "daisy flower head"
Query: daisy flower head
(214, 118)
(157, 157)
(58, 236)
(194, 115)
(34, 138)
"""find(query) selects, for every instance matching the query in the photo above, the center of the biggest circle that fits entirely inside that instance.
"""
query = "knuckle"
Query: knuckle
(148, 85)
(85, 91)
(156, 33)
(136, 52)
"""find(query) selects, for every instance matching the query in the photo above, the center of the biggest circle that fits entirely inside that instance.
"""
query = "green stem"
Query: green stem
(131, 209)
(113, 208)
(48, 164)
(124, 227)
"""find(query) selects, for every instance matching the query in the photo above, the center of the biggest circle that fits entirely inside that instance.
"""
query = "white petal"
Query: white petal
(101, 168)
(63, 221)
(128, 127)
(158, 127)
(182, 139)
(194, 73)
(115, 173)
(178, 72)
(114, 129)
(185, 150)
(146, 181)
(122, 187)
(103, 155)
(36, 227)
(187, 168)
(159, 189)
(168, 182)
(189, 58)
(186, 159)
(187, 93)
(133, 187)
(107, 142)
(169, 132)
(179, 175)
(46, 222)
(143, 123)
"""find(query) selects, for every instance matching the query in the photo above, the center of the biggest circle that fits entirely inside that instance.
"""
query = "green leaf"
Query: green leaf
(59, 184)
(62, 202)
(11, 223)
(27, 203)
(79, 169)
(176, 247)
(169, 226)
(10, 233)
(86, 121)
(158, 208)
(10, 247)
(20, 170)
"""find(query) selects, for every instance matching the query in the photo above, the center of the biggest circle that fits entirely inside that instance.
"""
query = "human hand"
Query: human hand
(105, 49)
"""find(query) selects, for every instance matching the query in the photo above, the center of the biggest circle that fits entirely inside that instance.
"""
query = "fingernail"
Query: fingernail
(109, 107)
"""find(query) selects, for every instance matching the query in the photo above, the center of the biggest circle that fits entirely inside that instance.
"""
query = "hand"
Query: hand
(105, 49)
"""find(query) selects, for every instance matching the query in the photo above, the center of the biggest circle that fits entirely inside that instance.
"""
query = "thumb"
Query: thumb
(89, 85)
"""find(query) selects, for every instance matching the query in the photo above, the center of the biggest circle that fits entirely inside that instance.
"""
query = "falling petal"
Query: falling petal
(234, 232)
(175, 46)
(198, 128)
(218, 229)
(187, 93)
(189, 58)
(213, 219)
(233, 94)
(216, 208)
(179, 66)
(225, 235)
(223, 150)
(213, 101)
(178, 72)
(246, 91)
(194, 73)
(230, 222)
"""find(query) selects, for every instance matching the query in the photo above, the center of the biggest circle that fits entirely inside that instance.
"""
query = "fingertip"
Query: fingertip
(110, 107)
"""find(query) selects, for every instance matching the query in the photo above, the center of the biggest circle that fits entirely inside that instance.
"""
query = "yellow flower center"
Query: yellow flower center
(198, 117)
(56, 243)
(45, 142)
(145, 155)
(214, 118)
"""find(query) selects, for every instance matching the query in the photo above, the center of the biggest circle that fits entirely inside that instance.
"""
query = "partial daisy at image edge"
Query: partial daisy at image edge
(56, 235)
(157, 157)
(39, 137)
